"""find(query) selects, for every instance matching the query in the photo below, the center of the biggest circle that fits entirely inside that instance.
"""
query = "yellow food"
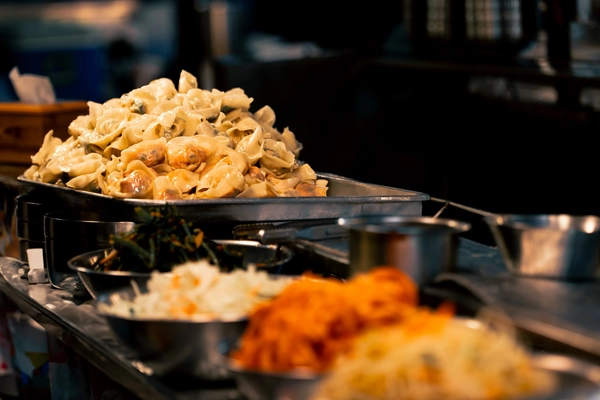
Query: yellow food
(451, 361)
(165, 142)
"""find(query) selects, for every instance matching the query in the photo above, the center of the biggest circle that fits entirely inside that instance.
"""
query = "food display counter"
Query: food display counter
(189, 167)
(557, 317)
(76, 323)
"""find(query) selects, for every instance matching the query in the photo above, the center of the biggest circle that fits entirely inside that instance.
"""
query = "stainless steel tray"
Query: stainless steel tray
(345, 198)
(577, 378)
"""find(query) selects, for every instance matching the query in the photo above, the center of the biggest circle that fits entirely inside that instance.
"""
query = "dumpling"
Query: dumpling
(189, 152)
(47, 149)
(205, 128)
(276, 158)
(224, 180)
(135, 182)
(281, 185)
(202, 101)
(116, 147)
(265, 116)
(87, 182)
(259, 190)
(163, 189)
(308, 189)
(202, 143)
(81, 125)
(187, 81)
(163, 107)
(184, 181)
(58, 162)
(161, 89)
(150, 152)
(234, 158)
(290, 141)
(139, 101)
(242, 129)
(108, 127)
(251, 146)
(236, 98)
(83, 164)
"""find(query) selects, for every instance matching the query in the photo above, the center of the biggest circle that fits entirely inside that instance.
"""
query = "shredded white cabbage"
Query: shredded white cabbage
(198, 290)
(458, 363)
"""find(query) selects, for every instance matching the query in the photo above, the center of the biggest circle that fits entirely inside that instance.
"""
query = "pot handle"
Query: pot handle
(462, 207)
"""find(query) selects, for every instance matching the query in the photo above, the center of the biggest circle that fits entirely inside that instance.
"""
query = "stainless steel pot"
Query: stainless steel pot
(422, 247)
(29, 217)
(556, 246)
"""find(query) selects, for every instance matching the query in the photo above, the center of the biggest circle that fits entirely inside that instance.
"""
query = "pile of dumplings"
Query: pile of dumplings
(164, 142)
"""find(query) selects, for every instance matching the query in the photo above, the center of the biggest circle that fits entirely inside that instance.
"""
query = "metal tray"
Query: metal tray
(346, 197)
(577, 379)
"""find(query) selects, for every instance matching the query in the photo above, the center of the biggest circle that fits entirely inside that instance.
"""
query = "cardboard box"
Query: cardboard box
(23, 127)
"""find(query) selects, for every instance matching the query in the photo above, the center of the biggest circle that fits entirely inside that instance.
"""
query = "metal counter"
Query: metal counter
(560, 317)
(78, 325)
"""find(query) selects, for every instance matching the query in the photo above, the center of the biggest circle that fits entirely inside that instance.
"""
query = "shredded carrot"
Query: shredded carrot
(312, 321)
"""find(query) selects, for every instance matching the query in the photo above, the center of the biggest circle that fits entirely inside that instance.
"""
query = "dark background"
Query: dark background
(370, 99)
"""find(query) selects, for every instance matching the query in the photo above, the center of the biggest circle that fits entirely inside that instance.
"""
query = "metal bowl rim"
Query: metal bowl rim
(89, 271)
(200, 321)
(66, 215)
(363, 223)
(295, 374)
(289, 254)
(527, 221)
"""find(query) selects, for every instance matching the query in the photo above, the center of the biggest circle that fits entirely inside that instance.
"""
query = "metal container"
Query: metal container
(98, 282)
(422, 247)
(69, 233)
(345, 198)
(556, 246)
(25, 244)
(30, 230)
(33, 206)
(269, 258)
(174, 347)
(259, 385)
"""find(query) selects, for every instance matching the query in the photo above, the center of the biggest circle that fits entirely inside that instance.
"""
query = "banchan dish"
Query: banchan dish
(270, 258)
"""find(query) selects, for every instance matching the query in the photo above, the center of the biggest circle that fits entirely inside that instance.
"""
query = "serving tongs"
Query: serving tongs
(281, 232)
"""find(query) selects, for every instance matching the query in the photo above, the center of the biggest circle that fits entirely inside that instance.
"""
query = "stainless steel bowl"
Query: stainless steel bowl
(266, 257)
(422, 247)
(258, 385)
(269, 258)
(97, 282)
(174, 347)
(556, 246)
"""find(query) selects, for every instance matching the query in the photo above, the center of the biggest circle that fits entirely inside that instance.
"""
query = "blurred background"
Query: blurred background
(489, 103)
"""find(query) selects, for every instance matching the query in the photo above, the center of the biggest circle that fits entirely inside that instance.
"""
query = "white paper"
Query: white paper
(35, 258)
(32, 89)
(37, 273)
